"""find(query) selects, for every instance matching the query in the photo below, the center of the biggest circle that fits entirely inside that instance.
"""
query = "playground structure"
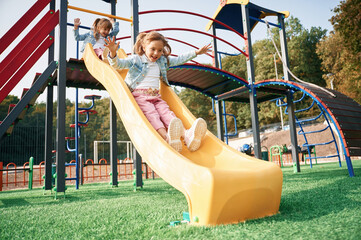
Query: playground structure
(77, 127)
(280, 155)
(213, 179)
(211, 81)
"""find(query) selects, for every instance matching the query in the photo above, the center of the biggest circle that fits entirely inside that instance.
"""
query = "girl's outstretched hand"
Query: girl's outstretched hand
(76, 23)
(112, 45)
(204, 49)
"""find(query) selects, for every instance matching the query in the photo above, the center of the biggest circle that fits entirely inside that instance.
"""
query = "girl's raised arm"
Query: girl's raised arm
(76, 23)
(204, 49)
(112, 45)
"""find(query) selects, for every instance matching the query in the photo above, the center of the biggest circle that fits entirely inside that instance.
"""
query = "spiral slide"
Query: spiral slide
(221, 185)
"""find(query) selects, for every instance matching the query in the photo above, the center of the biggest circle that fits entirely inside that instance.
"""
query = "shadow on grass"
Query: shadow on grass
(11, 202)
(91, 192)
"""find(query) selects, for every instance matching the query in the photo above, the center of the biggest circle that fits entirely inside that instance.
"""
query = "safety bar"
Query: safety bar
(260, 20)
(99, 13)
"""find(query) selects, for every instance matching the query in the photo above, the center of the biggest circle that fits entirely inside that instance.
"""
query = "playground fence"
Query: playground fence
(287, 159)
(15, 177)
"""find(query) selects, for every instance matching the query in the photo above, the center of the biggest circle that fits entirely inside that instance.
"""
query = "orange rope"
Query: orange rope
(99, 13)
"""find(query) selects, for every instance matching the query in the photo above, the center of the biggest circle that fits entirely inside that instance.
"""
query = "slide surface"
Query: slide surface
(221, 185)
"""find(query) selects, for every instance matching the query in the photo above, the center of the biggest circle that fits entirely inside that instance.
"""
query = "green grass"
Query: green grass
(318, 203)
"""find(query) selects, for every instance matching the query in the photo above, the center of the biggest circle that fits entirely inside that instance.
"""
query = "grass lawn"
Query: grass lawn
(319, 203)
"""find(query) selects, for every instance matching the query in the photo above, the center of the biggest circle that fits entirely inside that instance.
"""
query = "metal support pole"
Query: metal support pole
(77, 137)
(218, 104)
(293, 133)
(49, 138)
(81, 169)
(113, 144)
(290, 105)
(95, 152)
(252, 93)
(60, 127)
(113, 128)
(51, 50)
(135, 16)
(215, 48)
(218, 107)
(137, 164)
(85, 146)
(113, 7)
(135, 32)
(49, 120)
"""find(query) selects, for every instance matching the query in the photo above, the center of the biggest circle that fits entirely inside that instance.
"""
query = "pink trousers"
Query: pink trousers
(154, 108)
(99, 52)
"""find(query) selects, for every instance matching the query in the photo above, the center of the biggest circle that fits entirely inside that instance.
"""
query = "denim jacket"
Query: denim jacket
(89, 36)
(138, 66)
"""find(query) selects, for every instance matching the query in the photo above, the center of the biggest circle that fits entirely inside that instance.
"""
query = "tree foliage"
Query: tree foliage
(304, 61)
(339, 66)
(341, 50)
(347, 22)
(5, 104)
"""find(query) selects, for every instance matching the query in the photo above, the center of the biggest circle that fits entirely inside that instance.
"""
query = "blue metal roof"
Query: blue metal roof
(231, 15)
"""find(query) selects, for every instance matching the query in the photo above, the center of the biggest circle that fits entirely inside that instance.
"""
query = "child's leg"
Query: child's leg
(165, 114)
(172, 123)
(163, 133)
(149, 110)
(173, 135)
(99, 53)
(175, 127)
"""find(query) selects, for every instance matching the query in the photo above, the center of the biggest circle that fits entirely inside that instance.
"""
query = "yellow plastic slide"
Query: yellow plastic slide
(221, 185)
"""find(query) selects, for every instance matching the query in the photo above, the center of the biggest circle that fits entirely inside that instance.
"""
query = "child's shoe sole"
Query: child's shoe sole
(175, 131)
(197, 132)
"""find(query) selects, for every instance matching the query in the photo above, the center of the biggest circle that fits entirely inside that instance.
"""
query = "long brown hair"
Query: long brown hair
(101, 23)
(146, 38)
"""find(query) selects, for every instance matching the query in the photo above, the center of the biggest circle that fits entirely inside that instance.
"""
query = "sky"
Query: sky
(310, 13)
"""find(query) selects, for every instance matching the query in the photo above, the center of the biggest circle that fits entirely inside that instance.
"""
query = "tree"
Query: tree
(236, 65)
(302, 44)
(347, 22)
(341, 50)
(4, 106)
(339, 66)
(264, 60)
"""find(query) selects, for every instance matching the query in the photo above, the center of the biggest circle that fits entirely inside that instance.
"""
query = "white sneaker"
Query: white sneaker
(175, 131)
(193, 136)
